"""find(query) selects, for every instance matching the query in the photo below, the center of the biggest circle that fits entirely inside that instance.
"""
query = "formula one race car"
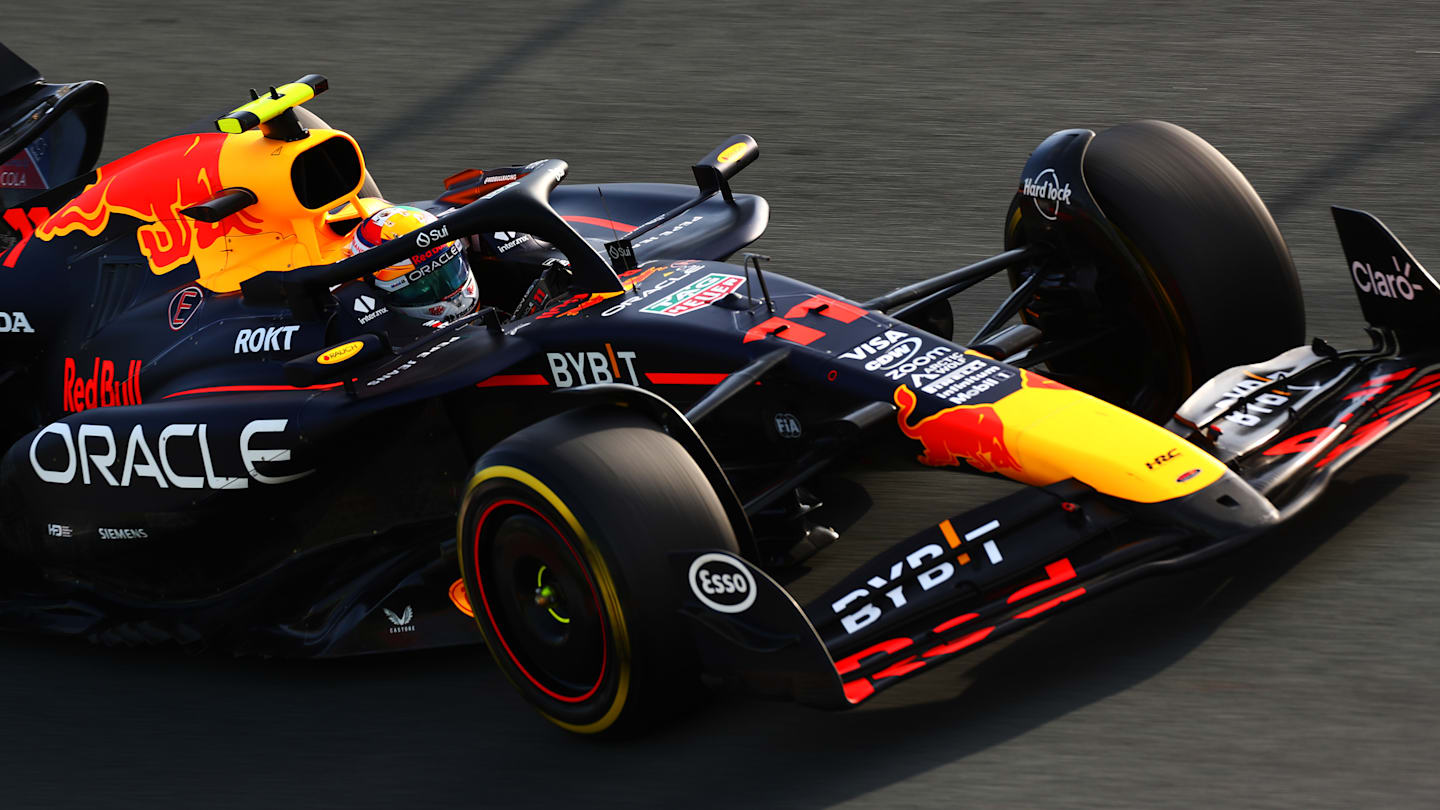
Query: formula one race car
(215, 434)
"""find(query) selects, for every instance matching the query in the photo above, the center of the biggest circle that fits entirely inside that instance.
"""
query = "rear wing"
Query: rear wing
(49, 133)
(15, 72)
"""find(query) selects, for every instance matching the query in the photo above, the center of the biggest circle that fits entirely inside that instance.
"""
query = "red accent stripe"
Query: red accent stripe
(513, 379)
(683, 378)
(827, 306)
(1368, 392)
(229, 389)
(856, 691)
(1038, 609)
(1399, 375)
(957, 646)
(793, 332)
(1055, 573)
(955, 622)
(604, 223)
(850, 663)
(905, 667)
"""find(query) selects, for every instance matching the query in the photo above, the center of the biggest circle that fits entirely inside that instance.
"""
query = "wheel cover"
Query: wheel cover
(541, 601)
(1143, 365)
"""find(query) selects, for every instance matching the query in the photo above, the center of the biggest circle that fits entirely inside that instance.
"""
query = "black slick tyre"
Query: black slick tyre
(565, 531)
(1218, 287)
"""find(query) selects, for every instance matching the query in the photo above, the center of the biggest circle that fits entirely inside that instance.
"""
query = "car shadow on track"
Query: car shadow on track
(1072, 661)
(158, 727)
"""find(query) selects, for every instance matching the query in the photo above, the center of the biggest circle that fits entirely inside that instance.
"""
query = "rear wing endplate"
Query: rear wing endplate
(49, 133)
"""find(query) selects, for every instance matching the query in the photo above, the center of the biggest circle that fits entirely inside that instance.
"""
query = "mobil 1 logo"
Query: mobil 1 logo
(722, 583)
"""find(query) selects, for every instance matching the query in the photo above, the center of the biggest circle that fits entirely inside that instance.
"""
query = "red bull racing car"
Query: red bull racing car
(215, 433)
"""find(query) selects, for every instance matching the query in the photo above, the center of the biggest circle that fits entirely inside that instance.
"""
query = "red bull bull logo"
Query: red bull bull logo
(972, 432)
(153, 185)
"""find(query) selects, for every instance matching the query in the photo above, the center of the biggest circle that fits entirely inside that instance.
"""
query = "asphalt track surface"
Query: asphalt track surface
(1299, 672)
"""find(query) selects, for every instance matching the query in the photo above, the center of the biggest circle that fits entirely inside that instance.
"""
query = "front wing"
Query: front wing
(983, 574)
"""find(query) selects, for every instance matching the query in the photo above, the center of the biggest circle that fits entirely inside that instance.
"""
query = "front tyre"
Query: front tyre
(565, 531)
(1213, 284)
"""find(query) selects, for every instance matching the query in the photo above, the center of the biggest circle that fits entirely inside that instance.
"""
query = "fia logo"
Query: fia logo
(787, 425)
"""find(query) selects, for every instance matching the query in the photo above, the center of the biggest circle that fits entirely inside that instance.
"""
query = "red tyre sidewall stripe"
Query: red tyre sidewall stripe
(594, 595)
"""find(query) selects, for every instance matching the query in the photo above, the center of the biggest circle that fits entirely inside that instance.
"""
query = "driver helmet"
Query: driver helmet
(434, 285)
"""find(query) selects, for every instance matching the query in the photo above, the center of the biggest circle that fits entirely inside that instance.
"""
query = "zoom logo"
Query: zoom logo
(722, 582)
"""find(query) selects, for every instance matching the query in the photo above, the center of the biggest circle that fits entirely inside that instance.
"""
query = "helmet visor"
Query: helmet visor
(432, 279)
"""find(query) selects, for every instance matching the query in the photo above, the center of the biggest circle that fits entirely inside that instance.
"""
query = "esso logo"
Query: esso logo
(722, 582)
(184, 305)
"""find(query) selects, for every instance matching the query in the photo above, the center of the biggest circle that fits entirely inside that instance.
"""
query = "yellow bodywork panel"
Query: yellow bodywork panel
(1045, 432)
(284, 233)
(156, 184)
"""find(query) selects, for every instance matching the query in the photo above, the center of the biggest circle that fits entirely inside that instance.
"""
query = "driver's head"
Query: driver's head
(435, 284)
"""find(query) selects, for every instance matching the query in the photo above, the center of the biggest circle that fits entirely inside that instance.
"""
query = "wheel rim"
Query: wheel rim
(540, 601)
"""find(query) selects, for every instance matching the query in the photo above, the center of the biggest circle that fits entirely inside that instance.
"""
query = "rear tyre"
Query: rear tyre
(565, 531)
(1217, 287)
